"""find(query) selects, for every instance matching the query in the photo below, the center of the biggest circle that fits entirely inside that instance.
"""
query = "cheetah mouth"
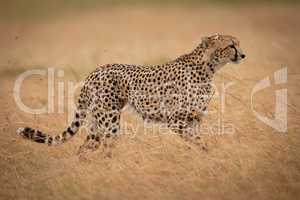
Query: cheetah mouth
(235, 60)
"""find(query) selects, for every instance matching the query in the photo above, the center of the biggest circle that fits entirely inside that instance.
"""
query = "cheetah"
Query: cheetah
(175, 93)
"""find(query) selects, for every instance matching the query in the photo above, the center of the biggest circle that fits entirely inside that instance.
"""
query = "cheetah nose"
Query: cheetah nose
(243, 56)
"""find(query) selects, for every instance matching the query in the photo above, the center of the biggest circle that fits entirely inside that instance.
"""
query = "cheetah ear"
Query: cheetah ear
(205, 42)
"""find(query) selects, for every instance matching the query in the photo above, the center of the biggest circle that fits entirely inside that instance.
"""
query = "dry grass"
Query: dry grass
(256, 162)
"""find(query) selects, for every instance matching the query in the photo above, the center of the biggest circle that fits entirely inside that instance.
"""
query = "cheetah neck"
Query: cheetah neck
(206, 64)
(200, 60)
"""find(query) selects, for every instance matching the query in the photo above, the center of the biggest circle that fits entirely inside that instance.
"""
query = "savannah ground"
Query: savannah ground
(254, 161)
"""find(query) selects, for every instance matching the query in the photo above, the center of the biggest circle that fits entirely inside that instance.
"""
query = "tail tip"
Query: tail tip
(20, 131)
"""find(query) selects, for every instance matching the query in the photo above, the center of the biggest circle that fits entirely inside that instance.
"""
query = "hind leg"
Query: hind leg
(91, 143)
(110, 124)
(104, 129)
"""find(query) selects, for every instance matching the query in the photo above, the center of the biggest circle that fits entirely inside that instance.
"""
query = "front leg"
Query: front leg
(182, 125)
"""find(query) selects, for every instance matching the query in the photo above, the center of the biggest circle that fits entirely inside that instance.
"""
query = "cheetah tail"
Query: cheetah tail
(40, 137)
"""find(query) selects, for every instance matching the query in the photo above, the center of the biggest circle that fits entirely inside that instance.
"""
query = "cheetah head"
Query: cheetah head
(223, 48)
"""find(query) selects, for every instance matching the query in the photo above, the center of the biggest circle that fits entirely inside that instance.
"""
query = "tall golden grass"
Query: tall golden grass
(256, 162)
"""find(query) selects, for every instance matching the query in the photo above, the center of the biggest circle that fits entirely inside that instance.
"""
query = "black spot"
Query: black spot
(40, 140)
(70, 131)
(26, 135)
(114, 119)
(77, 124)
(50, 139)
(57, 137)
(64, 134)
(114, 130)
(31, 134)
(40, 134)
